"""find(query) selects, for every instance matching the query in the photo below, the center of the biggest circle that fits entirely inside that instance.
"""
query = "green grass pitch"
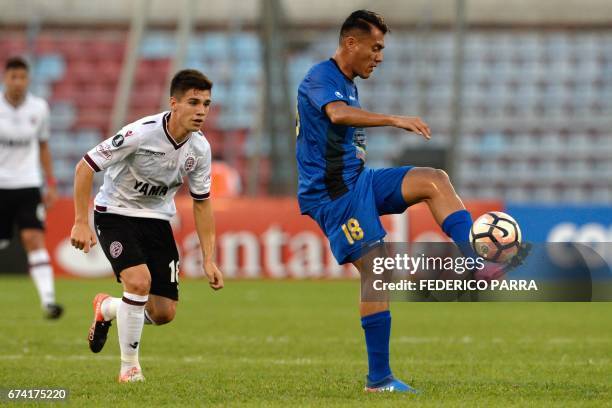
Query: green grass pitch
(264, 343)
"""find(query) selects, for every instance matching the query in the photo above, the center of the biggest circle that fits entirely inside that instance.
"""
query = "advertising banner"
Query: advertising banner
(256, 238)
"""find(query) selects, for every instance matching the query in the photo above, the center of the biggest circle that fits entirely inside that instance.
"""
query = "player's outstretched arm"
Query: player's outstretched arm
(205, 227)
(81, 236)
(339, 113)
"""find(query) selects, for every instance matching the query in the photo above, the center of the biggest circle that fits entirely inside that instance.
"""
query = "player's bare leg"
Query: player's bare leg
(130, 319)
(160, 310)
(418, 185)
(376, 323)
(432, 186)
(368, 308)
(39, 262)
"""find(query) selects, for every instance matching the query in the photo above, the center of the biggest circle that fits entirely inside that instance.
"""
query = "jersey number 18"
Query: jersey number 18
(352, 231)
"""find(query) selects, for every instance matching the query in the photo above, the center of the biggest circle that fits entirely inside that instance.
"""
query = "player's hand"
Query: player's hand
(214, 275)
(413, 124)
(50, 196)
(82, 237)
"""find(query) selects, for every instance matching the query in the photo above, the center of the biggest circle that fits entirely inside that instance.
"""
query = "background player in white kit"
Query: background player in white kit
(24, 135)
(145, 164)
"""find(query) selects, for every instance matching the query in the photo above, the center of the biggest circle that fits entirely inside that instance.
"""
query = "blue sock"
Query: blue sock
(377, 328)
(457, 226)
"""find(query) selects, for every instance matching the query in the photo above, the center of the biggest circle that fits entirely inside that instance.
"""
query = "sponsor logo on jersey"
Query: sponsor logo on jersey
(15, 143)
(338, 94)
(117, 140)
(147, 152)
(190, 163)
(360, 141)
(150, 189)
(116, 249)
(104, 150)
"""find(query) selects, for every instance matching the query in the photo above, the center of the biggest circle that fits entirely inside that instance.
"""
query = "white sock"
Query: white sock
(42, 275)
(109, 308)
(130, 319)
(147, 318)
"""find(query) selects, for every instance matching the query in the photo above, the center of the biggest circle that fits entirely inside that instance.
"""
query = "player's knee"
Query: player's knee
(139, 285)
(441, 178)
(438, 181)
(163, 316)
(429, 182)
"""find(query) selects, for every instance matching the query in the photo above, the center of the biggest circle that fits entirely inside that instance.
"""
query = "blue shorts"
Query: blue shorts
(352, 222)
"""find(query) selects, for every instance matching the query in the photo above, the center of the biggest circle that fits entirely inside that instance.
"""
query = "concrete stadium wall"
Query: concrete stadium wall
(314, 11)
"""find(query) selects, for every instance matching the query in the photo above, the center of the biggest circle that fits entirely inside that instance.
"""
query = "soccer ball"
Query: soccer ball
(496, 237)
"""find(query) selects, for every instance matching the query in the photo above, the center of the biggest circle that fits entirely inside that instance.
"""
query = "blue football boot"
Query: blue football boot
(389, 384)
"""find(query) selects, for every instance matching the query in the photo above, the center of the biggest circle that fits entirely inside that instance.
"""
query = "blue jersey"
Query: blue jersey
(329, 157)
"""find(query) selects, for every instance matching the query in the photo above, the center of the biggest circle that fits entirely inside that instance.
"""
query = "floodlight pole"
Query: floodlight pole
(126, 80)
(278, 110)
(457, 102)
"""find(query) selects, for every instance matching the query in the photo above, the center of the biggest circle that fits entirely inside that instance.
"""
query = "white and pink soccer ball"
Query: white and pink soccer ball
(496, 237)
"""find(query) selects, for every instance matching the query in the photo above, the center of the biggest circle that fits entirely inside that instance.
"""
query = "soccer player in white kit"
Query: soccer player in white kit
(24, 149)
(145, 164)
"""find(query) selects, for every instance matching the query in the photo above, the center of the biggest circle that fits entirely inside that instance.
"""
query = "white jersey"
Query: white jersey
(21, 130)
(145, 167)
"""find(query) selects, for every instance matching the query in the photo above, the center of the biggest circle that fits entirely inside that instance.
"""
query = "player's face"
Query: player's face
(367, 52)
(16, 82)
(191, 109)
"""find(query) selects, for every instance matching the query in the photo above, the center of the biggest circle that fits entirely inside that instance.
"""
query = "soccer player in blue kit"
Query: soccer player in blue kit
(345, 198)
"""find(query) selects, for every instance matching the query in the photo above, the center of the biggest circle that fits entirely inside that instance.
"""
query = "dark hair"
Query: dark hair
(16, 63)
(363, 20)
(187, 79)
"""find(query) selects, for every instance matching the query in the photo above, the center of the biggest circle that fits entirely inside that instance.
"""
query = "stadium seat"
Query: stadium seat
(517, 80)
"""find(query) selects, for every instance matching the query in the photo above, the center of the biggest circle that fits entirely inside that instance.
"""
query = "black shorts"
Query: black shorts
(131, 241)
(21, 206)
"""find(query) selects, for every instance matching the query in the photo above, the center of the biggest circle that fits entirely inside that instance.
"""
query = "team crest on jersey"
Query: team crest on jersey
(190, 163)
(116, 249)
(117, 140)
(104, 150)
